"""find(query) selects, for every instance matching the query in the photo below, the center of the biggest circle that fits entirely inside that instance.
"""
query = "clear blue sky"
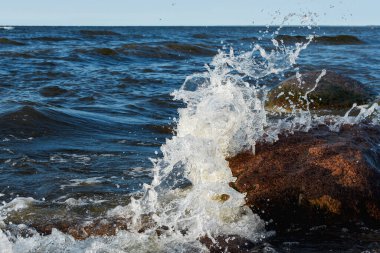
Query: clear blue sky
(184, 12)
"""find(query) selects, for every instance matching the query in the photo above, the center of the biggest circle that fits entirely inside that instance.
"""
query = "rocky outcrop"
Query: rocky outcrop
(319, 177)
(323, 40)
(334, 91)
(5, 41)
(81, 231)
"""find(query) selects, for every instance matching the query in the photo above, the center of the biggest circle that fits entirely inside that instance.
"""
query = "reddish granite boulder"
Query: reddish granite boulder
(320, 177)
(81, 231)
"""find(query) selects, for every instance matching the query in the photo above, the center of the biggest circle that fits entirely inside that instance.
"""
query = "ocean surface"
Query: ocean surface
(85, 111)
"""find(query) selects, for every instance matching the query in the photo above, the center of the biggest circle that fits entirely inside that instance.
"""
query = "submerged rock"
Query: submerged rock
(320, 177)
(339, 40)
(324, 40)
(98, 33)
(81, 231)
(334, 91)
(52, 91)
(192, 49)
(201, 36)
(106, 51)
(291, 38)
(75, 217)
(6, 41)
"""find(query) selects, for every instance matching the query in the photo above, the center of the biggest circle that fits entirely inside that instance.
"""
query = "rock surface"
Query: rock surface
(324, 40)
(6, 41)
(81, 231)
(334, 91)
(320, 177)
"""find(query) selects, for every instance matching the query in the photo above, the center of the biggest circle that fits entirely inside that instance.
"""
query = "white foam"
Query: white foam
(83, 182)
(5, 244)
(17, 204)
(82, 202)
(7, 27)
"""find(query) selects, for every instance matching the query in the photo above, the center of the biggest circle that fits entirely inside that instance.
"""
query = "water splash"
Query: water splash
(190, 195)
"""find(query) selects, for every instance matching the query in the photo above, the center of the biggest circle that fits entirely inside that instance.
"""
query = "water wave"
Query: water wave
(164, 50)
(52, 39)
(169, 50)
(189, 199)
(104, 51)
(29, 121)
(98, 33)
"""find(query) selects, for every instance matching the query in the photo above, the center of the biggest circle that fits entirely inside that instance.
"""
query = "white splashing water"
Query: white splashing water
(190, 197)
(7, 27)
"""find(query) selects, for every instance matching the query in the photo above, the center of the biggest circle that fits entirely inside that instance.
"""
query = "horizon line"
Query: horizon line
(3, 25)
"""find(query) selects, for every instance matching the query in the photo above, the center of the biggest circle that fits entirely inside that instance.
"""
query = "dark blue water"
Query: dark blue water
(94, 102)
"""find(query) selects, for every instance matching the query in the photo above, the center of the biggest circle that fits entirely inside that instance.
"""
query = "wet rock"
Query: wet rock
(162, 129)
(291, 38)
(334, 238)
(106, 51)
(334, 91)
(221, 198)
(65, 220)
(324, 40)
(5, 41)
(191, 49)
(320, 177)
(77, 217)
(200, 36)
(339, 40)
(81, 231)
(148, 51)
(232, 244)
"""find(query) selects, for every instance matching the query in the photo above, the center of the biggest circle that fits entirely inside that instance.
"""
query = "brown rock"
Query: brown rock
(334, 91)
(231, 244)
(327, 202)
(317, 177)
(324, 40)
(81, 231)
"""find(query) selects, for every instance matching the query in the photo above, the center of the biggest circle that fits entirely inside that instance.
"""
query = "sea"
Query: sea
(136, 122)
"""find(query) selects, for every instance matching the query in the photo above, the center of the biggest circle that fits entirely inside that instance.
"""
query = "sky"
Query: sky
(186, 12)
